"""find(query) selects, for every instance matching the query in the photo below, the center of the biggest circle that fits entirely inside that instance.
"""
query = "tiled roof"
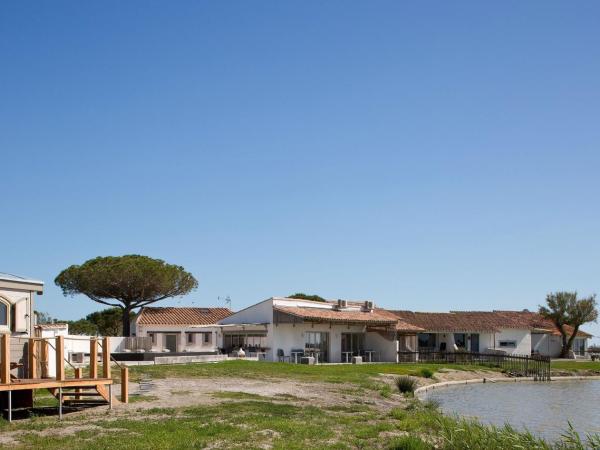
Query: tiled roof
(491, 321)
(182, 316)
(375, 317)
(51, 326)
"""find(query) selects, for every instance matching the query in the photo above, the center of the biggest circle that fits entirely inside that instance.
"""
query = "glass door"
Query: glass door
(317, 344)
(475, 343)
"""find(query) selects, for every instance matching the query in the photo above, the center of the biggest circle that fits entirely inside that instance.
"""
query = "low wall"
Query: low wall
(424, 389)
(189, 359)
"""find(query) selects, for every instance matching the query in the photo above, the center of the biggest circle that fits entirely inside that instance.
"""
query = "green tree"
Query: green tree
(565, 309)
(83, 327)
(302, 296)
(126, 282)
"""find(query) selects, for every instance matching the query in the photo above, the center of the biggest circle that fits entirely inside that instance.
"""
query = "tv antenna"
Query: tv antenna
(227, 301)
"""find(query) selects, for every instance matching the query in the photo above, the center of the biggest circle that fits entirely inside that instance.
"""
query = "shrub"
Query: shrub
(426, 373)
(406, 385)
(409, 443)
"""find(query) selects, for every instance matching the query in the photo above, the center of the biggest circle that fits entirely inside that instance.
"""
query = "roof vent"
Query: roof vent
(341, 304)
(368, 306)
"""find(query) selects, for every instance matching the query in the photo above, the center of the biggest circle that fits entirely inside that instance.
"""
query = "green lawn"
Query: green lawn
(339, 373)
(574, 365)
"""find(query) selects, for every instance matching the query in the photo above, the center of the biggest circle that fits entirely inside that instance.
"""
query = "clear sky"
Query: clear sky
(426, 155)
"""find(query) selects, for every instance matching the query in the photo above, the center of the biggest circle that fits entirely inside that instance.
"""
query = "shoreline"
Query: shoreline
(443, 384)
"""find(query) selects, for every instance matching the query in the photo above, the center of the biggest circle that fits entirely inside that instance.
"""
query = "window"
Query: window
(460, 340)
(190, 338)
(426, 340)
(207, 337)
(246, 341)
(353, 342)
(4, 312)
(153, 337)
(507, 344)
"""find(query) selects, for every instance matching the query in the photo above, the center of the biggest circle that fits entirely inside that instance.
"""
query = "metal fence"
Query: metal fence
(534, 366)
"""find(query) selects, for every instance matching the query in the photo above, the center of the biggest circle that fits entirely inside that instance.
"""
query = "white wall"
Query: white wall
(387, 349)
(260, 313)
(288, 337)
(216, 340)
(522, 338)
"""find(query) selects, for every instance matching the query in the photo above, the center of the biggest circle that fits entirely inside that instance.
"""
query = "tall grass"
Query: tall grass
(453, 433)
(406, 385)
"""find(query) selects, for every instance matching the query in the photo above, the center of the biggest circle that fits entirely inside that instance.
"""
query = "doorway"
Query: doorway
(171, 342)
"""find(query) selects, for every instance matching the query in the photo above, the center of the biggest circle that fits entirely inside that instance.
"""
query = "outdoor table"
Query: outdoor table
(295, 355)
(347, 356)
(370, 354)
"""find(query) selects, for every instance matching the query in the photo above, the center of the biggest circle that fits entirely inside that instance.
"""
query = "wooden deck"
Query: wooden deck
(33, 374)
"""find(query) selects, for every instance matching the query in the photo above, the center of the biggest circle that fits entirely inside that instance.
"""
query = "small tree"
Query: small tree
(564, 309)
(126, 282)
(302, 296)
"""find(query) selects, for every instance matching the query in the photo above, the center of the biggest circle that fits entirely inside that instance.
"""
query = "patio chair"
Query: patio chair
(281, 357)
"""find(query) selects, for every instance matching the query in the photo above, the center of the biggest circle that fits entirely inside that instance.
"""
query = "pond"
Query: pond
(543, 408)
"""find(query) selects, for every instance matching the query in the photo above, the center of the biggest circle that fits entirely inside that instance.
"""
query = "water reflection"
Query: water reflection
(542, 408)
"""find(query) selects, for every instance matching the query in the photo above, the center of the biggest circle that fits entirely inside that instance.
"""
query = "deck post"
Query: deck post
(106, 357)
(44, 358)
(32, 358)
(60, 403)
(60, 357)
(93, 358)
(78, 371)
(5, 361)
(125, 384)
(10, 406)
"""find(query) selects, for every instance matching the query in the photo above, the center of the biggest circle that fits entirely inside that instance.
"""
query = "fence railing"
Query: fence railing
(535, 366)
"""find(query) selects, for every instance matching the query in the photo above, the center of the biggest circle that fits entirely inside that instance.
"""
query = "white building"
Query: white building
(512, 332)
(331, 331)
(181, 330)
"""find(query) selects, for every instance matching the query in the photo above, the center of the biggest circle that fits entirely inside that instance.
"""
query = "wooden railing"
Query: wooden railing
(534, 366)
(35, 360)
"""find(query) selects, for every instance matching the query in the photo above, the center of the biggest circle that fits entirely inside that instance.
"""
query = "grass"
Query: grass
(340, 374)
(142, 398)
(574, 365)
(406, 385)
(253, 422)
(248, 421)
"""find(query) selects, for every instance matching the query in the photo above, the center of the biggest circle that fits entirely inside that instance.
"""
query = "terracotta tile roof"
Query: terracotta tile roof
(376, 317)
(491, 321)
(50, 326)
(181, 316)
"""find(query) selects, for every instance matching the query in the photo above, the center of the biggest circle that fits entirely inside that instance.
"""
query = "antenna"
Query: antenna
(228, 302)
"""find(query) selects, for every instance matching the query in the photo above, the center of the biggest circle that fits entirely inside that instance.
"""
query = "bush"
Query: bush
(409, 443)
(426, 373)
(406, 385)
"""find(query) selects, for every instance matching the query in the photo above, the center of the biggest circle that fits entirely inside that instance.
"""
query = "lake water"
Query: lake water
(543, 408)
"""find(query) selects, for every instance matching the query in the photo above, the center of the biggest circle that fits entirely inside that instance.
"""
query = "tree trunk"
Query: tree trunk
(126, 321)
(572, 338)
(564, 353)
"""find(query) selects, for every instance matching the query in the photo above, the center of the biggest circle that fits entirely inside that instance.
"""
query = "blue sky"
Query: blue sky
(426, 155)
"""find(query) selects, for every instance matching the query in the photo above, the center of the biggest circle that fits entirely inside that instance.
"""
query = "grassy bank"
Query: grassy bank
(254, 422)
